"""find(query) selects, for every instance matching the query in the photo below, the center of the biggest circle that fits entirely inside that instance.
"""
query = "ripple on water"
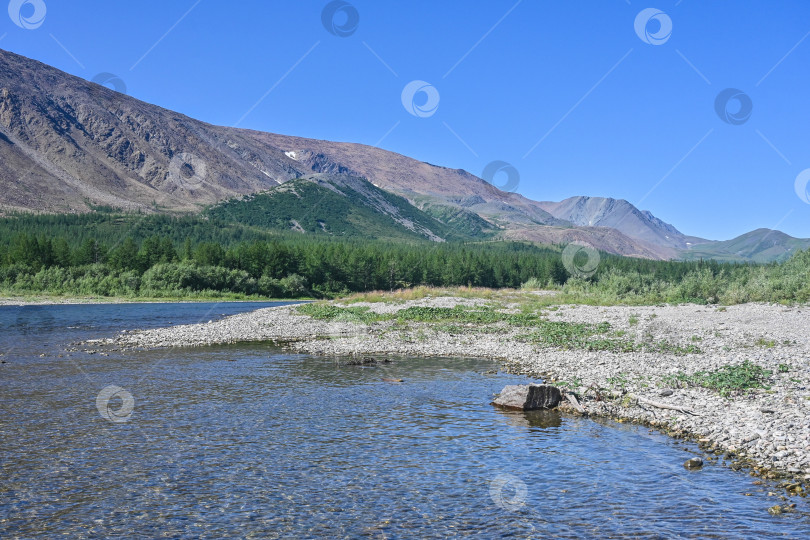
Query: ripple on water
(250, 441)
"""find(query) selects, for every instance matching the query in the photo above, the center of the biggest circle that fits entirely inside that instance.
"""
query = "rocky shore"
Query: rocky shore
(658, 367)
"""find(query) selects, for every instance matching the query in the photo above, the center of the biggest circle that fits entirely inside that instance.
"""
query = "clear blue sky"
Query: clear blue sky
(614, 115)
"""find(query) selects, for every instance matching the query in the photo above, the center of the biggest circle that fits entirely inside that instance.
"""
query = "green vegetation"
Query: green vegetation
(638, 282)
(727, 380)
(573, 384)
(465, 319)
(619, 381)
(463, 221)
(233, 252)
(131, 256)
(339, 211)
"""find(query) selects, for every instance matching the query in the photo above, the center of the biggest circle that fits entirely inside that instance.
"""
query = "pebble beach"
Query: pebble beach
(764, 429)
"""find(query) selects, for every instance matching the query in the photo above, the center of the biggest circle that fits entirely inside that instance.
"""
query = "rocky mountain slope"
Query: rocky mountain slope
(415, 180)
(67, 144)
(620, 215)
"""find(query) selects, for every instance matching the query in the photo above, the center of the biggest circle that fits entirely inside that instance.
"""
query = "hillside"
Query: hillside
(334, 205)
(761, 245)
(68, 145)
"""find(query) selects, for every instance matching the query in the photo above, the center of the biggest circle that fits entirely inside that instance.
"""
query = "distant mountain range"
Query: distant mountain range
(67, 144)
(622, 216)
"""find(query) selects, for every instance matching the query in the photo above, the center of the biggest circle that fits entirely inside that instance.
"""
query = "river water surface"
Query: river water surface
(251, 441)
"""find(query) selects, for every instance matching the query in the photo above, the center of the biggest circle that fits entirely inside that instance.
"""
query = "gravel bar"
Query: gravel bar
(765, 429)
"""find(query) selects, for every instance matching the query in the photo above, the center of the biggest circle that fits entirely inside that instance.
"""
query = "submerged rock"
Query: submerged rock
(693, 463)
(777, 509)
(528, 397)
(367, 361)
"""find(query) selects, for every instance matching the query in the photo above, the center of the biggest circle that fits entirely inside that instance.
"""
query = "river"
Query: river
(252, 441)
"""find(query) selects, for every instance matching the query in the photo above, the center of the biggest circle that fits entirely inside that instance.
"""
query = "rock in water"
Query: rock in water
(694, 463)
(528, 397)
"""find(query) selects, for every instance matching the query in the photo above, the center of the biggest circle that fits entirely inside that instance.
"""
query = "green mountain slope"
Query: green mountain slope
(761, 246)
(335, 205)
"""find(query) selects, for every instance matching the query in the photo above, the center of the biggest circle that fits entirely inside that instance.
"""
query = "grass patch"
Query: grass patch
(328, 312)
(420, 314)
(727, 380)
(767, 343)
(584, 336)
(488, 320)
(570, 385)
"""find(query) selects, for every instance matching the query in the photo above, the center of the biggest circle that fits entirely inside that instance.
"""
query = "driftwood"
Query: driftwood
(651, 403)
(572, 399)
(659, 405)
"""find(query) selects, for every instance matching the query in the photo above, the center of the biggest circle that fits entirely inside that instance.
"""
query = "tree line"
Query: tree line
(309, 266)
(161, 256)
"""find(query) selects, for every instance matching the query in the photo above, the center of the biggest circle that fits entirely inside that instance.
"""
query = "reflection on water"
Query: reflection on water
(535, 419)
(250, 441)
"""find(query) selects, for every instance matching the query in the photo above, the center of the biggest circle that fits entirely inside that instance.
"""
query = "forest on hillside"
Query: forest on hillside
(122, 255)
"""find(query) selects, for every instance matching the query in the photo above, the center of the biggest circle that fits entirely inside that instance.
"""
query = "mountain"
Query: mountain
(334, 205)
(621, 215)
(78, 143)
(66, 143)
(417, 181)
(69, 145)
(761, 245)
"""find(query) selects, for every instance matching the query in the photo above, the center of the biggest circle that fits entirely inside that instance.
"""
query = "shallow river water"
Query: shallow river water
(251, 441)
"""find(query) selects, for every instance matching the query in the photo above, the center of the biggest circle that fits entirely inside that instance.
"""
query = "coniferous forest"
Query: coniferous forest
(106, 253)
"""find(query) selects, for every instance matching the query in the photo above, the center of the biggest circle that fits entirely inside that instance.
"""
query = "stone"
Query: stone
(528, 397)
(666, 393)
(693, 463)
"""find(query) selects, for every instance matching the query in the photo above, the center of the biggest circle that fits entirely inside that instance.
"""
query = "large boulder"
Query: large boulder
(528, 397)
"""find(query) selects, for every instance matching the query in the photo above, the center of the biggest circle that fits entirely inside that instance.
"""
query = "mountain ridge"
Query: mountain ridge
(67, 144)
(621, 215)
(760, 245)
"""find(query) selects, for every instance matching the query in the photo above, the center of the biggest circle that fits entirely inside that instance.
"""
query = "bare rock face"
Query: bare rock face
(528, 397)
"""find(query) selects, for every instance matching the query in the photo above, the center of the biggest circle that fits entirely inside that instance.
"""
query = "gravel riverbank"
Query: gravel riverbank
(767, 428)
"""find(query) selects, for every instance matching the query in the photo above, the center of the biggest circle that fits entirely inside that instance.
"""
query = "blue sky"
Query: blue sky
(566, 91)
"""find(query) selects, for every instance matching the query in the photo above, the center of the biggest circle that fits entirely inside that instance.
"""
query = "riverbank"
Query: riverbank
(737, 376)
